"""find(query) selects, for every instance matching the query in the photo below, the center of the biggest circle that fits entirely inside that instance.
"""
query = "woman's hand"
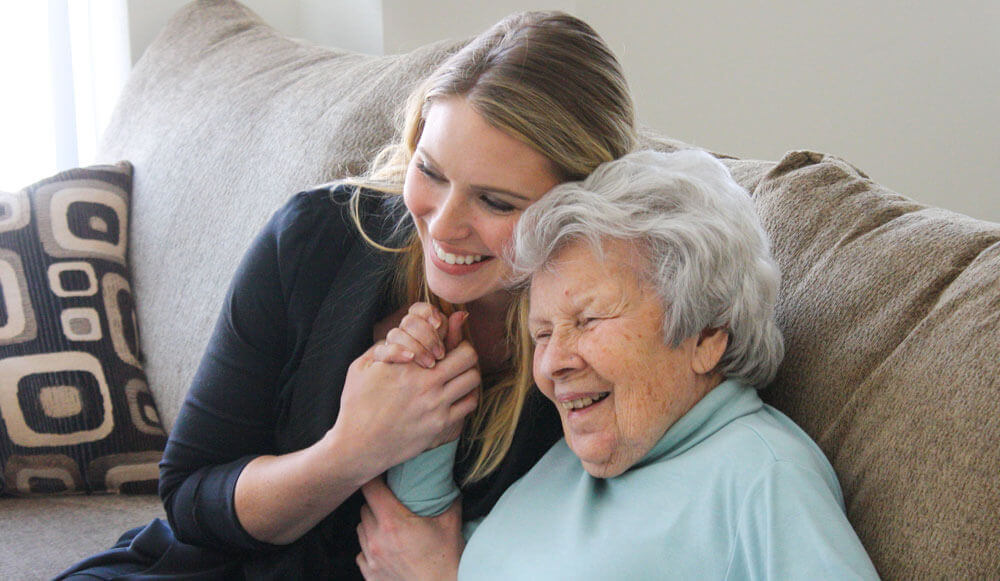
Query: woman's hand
(390, 412)
(397, 544)
(423, 335)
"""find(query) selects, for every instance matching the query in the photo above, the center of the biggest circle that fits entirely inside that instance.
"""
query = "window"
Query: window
(62, 65)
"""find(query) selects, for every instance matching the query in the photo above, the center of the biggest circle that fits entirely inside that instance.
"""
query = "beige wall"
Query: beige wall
(353, 24)
(907, 91)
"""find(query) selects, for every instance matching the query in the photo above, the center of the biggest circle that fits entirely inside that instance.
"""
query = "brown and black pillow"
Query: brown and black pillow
(76, 414)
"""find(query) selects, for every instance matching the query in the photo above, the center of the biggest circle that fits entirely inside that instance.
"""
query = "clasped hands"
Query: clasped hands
(428, 346)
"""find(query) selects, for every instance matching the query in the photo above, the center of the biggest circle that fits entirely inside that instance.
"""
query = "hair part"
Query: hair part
(705, 251)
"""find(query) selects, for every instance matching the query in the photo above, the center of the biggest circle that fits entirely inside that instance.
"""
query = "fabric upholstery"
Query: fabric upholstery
(77, 414)
(890, 311)
(42, 535)
(224, 118)
(889, 308)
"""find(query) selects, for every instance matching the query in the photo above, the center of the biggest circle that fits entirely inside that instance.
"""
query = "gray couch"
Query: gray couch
(890, 309)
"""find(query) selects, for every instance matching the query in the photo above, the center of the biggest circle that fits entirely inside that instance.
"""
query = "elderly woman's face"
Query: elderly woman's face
(601, 358)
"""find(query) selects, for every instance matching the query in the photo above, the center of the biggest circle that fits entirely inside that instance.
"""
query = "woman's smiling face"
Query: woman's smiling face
(600, 356)
(465, 187)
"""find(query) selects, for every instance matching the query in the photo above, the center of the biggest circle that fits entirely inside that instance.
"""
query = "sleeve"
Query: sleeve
(424, 484)
(793, 526)
(229, 414)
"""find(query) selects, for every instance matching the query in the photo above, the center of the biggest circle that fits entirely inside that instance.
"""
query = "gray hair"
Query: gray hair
(706, 254)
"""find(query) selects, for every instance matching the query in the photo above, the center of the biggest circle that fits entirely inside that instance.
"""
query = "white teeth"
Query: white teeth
(583, 402)
(455, 258)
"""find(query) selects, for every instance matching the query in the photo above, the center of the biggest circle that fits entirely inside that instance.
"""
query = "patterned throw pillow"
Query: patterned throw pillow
(76, 414)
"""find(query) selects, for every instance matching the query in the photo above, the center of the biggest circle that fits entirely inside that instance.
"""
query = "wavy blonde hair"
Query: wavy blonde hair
(550, 81)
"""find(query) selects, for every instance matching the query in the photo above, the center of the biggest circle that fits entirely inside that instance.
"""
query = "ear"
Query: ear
(709, 348)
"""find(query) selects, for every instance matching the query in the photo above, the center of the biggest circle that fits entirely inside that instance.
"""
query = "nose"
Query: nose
(559, 357)
(451, 221)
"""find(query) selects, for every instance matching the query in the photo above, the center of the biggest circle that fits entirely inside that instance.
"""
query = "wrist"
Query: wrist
(348, 456)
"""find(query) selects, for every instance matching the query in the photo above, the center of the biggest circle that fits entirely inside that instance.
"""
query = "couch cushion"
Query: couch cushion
(224, 118)
(890, 311)
(77, 414)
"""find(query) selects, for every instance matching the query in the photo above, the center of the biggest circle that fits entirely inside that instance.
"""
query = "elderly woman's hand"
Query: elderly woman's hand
(424, 335)
(397, 544)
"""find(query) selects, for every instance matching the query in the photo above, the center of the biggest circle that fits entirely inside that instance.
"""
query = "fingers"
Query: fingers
(363, 565)
(422, 332)
(455, 417)
(409, 344)
(465, 405)
(429, 316)
(460, 387)
(367, 519)
(424, 335)
(457, 361)
(429, 313)
(392, 353)
(454, 329)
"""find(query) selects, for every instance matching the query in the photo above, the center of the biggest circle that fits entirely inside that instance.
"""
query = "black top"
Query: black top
(301, 308)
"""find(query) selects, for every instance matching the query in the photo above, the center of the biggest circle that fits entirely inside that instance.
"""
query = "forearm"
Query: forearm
(388, 414)
(280, 498)
(424, 484)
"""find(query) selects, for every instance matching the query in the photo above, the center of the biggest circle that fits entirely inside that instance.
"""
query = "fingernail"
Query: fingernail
(408, 355)
(439, 351)
(427, 362)
(436, 322)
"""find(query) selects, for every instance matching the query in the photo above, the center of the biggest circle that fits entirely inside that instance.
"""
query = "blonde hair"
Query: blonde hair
(548, 80)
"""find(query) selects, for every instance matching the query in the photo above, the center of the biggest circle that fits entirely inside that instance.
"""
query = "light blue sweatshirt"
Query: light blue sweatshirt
(733, 490)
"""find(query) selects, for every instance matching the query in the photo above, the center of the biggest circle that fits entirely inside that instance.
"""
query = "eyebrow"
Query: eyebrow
(476, 188)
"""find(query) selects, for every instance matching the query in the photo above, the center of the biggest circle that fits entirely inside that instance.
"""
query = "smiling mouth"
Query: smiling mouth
(450, 258)
(583, 402)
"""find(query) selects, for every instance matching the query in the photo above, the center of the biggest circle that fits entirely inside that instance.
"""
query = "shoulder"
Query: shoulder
(323, 206)
(768, 452)
(336, 214)
(771, 436)
(756, 447)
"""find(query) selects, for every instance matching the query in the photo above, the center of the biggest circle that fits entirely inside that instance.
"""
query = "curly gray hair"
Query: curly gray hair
(706, 254)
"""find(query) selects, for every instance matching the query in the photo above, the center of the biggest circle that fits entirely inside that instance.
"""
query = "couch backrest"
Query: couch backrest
(890, 309)
(224, 119)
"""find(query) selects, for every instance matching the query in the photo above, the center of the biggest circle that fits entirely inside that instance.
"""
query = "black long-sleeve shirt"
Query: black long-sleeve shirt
(301, 308)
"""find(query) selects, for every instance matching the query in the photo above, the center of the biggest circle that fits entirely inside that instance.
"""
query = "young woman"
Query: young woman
(290, 413)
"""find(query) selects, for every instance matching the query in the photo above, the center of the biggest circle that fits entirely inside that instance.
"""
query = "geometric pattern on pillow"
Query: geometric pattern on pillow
(76, 414)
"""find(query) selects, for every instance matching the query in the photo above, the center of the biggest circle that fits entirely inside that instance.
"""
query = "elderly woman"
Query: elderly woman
(652, 315)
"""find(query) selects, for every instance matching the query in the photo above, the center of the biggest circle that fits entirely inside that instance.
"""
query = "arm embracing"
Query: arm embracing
(229, 414)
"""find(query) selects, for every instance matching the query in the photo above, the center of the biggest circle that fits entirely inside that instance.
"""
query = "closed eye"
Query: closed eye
(540, 336)
(422, 168)
(497, 205)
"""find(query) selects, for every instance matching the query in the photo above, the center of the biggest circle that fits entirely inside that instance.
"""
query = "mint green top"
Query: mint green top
(733, 490)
